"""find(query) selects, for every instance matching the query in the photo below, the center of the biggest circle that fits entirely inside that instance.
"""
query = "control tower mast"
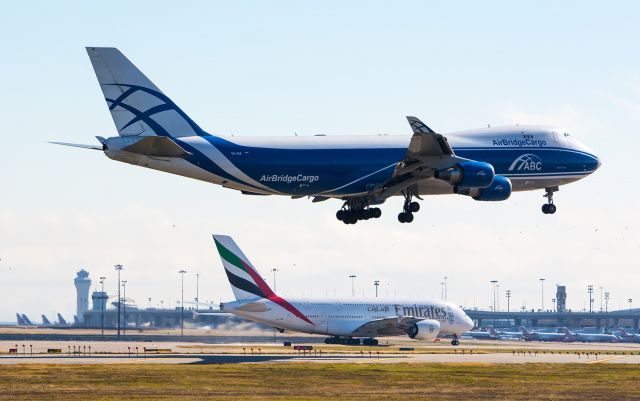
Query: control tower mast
(82, 283)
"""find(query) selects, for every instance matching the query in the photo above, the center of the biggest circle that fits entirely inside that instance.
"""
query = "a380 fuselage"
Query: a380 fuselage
(531, 157)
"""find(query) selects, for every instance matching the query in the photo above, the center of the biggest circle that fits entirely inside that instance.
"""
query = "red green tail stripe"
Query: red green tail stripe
(268, 293)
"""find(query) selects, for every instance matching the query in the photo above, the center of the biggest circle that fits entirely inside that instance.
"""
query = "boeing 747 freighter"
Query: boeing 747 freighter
(362, 171)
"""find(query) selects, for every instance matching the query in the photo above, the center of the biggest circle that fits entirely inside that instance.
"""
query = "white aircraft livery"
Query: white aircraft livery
(343, 320)
(362, 171)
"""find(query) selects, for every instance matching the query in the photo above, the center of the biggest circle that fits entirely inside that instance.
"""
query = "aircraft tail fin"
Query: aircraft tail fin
(26, 319)
(524, 331)
(137, 105)
(245, 281)
(493, 331)
(19, 320)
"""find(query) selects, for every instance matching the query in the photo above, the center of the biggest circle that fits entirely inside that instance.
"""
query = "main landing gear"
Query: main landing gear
(455, 342)
(549, 207)
(354, 210)
(409, 208)
(350, 341)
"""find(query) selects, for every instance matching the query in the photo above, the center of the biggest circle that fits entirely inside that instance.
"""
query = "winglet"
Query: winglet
(418, 126)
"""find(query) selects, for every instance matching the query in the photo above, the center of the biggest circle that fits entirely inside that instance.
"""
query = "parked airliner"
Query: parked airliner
(362, 171)
(344, 321)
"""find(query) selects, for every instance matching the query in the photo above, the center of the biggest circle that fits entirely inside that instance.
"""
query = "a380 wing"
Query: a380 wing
(392, 326)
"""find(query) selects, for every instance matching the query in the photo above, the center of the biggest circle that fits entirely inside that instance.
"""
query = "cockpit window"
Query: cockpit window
(566, 135)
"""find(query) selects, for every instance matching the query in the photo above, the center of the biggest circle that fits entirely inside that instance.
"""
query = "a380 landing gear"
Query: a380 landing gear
(455, 341)
(355, 210)
(549, 207)
(409, 208)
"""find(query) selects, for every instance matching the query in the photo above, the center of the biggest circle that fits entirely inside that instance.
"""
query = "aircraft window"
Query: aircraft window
(566, 135)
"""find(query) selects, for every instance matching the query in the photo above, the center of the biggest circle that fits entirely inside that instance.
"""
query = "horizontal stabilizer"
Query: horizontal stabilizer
(78, 145)
(158, 146)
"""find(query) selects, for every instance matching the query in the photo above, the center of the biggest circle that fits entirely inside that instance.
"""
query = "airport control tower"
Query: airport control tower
(82, 283)
(561, 297)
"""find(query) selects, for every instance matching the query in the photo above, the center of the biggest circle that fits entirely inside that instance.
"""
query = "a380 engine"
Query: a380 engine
(468, 174)
(424, 330)
(499, 190)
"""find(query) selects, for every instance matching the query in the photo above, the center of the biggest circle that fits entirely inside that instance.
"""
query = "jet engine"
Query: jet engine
(424, 330)
(499, 190)
(468, 174)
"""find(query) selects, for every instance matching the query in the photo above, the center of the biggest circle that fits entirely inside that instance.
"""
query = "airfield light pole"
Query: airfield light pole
(600, 298)
(102, 305)
(606, 301)
(629, 300)
(553, 301)
(494, 282)
(198, 289)
(445, 287)
(353, 288)
(124, 307)
(119, 269)
(497, 308)
(542, 294)
(274, 270)
(182, 272)
(508, 292)
(376, 283)
(590, 291)
(150, 303)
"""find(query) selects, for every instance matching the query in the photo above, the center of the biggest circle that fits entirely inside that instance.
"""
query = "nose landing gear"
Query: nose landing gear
(455, 341)
(409, 208)
(549, 207)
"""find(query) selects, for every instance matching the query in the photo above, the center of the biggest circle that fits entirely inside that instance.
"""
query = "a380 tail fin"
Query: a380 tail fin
(245, 281)
(137, 105)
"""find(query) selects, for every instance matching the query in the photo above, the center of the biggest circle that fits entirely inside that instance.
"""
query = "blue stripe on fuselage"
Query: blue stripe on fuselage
(544, 161)
(313, 171)
(310, 171)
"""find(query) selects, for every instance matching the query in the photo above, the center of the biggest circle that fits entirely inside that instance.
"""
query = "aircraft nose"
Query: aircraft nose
(598, 162)
(468, 323)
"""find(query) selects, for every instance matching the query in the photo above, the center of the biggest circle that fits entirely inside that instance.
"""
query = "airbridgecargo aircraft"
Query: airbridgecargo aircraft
(362, 171)
(344, 321)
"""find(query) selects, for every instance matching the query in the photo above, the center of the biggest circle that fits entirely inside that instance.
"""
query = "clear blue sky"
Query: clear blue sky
(275, 68)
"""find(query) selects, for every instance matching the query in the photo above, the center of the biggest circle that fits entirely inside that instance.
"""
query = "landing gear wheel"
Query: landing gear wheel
(408, 209)
(455, 342)
(355, 209)
(549, 207)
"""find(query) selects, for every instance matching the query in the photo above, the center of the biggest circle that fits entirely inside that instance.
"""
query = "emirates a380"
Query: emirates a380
(344, 321)
(362, 171)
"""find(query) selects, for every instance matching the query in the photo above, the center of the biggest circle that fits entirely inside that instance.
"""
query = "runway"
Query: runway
(241, 350)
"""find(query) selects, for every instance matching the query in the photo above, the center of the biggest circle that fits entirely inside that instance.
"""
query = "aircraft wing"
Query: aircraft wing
(392, 326)
(428, 151)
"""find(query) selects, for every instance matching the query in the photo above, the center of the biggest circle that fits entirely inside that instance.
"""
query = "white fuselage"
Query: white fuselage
(344, 317)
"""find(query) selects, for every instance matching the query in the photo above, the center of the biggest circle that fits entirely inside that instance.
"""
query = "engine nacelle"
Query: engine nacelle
(468, 174)
(424, 330)
(499, 190)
